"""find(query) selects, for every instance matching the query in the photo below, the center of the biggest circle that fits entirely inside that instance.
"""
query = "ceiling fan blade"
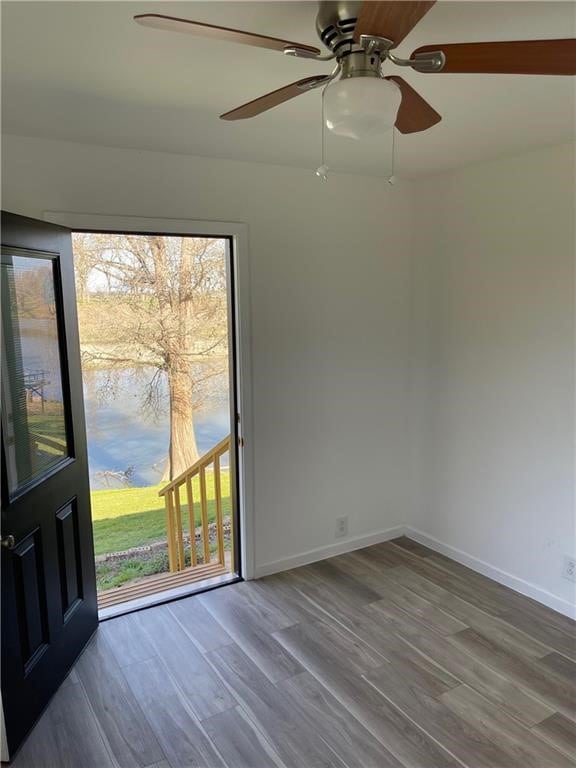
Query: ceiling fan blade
(415, 114)
(173, 24)
(393, 19)
(274, 98)
(517, 57)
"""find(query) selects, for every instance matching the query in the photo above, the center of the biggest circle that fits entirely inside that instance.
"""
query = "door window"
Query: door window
(33, 408)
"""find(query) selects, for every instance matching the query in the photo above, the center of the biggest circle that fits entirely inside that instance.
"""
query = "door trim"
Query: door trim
(238, 232)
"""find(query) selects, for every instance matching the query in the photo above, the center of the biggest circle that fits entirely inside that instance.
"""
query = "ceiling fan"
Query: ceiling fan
(360, 37)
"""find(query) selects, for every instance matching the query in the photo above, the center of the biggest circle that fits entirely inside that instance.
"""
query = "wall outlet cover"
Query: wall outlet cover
(341, 527)
(569, 571)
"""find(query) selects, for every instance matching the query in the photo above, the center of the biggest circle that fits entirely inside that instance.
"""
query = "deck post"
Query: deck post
(170, 533)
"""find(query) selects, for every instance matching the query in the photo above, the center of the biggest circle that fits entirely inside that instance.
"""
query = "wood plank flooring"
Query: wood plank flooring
(388, 657)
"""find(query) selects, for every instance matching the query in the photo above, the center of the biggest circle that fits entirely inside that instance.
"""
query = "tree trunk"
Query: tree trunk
(81, 281)
(183, 451)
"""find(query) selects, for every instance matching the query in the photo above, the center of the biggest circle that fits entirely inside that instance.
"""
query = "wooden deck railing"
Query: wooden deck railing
(179, 493)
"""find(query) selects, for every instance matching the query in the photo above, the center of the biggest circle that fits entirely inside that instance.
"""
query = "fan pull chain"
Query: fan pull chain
(392, 178)
(322, 170)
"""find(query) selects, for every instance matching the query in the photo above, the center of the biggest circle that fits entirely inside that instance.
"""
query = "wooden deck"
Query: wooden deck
(388, 657)
(152, 585)
(179, 498)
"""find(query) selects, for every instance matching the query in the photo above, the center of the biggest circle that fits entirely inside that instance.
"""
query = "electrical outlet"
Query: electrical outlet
(341, 527)
(569, 571)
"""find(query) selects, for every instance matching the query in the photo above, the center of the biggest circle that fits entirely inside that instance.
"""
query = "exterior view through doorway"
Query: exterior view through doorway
(156, 316)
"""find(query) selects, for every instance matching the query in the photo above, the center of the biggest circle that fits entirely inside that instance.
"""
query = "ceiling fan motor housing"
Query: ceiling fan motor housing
(335, 24)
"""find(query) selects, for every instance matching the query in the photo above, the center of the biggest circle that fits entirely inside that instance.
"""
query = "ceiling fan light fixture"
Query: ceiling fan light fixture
(360, 107)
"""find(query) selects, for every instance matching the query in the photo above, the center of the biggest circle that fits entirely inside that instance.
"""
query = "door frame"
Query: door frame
(237, 232)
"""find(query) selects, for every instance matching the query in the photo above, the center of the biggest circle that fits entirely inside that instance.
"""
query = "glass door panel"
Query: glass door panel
(33, 404)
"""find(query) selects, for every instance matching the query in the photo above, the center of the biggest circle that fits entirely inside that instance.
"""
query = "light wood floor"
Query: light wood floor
(392, 657)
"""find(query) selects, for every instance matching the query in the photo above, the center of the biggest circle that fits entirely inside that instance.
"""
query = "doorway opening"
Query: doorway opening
(157, 339)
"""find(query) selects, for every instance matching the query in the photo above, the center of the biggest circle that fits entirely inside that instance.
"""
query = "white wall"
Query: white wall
(329, 288)
(493, 367)
(455, 415)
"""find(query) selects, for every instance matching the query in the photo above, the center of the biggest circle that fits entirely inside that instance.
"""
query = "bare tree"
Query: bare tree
(161, 302)
(87, 248)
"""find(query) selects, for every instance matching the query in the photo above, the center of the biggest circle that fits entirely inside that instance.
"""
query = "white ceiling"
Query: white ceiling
(84, 71)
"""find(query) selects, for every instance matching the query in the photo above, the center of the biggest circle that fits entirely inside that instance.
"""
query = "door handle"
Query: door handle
(8, 542)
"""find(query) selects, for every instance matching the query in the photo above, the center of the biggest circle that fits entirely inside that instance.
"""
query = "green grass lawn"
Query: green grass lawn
(50, 423)
(131, 517)
(49, 431)
(110, 575)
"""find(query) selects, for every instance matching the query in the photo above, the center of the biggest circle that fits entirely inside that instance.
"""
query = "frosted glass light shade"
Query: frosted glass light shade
(359, 107)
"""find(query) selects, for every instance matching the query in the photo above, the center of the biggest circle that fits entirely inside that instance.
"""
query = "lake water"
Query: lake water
(122, 435)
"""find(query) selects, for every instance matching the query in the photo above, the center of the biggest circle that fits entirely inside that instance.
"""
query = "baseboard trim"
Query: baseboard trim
(496, 574)
(322, 553)
(474, 563)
